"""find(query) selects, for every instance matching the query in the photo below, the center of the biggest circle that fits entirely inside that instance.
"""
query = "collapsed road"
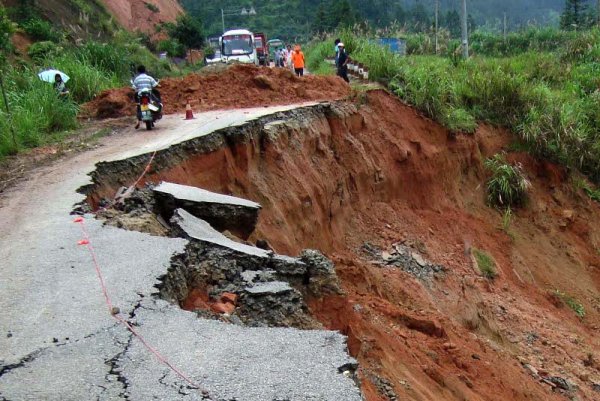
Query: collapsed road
(395, 203)
(58, 340)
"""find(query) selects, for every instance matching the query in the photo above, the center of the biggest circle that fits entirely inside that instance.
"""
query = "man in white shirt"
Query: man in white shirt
(144, 81)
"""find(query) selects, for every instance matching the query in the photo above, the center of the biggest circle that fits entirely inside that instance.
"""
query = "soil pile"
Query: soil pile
(239, 86)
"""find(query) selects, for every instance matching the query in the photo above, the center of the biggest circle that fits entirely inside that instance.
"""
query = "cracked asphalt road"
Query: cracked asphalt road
(58, 341)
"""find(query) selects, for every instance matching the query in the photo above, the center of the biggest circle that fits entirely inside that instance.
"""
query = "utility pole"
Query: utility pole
(465, 30)
(504, 26)
(437, 13)
(223, 19)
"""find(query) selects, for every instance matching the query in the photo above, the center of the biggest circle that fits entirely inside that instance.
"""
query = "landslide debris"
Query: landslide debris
(219, 275)
(238, 86)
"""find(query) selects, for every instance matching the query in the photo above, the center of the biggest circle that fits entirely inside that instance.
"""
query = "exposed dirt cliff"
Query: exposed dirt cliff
(143, 15)
(398, 204)
(95, 18)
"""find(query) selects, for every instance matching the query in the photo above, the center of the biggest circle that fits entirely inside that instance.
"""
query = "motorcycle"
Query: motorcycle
(149, 107)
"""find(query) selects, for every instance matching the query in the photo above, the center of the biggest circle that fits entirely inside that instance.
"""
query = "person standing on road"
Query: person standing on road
(278, 58)
(298, 61)
(337, 51)
(288, 58)
(342, 62)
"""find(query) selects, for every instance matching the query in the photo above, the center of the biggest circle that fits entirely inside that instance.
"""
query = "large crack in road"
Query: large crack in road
(53, 303)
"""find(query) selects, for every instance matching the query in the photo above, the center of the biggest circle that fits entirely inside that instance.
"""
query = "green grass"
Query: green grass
(485, 264)
(542, 84)
(38, 116)
(589, 190)
(315, 58)
(571, 302)
(507, 186)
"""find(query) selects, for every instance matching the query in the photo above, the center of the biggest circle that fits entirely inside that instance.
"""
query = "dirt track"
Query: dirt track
(239, 86)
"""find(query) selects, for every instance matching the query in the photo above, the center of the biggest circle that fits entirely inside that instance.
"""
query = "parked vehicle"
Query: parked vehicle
(214, 42)
(150, 108)
(215, 58)
(262, 48)
(273, 45)
(238, 46)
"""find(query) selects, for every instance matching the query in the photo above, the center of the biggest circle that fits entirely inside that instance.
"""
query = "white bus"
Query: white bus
(238, 45)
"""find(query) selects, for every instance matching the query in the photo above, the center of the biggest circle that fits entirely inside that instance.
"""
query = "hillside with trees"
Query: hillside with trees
(294, 19)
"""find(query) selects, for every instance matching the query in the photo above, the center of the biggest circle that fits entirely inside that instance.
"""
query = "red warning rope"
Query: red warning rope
(146, 169)
(115, 313)
(135, 184)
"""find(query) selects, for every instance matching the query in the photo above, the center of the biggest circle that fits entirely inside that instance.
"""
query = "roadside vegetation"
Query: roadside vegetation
(31, 112)
(543, 84)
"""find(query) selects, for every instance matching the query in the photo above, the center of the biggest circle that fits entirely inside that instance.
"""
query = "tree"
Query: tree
(341, 14)
(400, 14)
(451, 21)
(420, 17)
(319, 23)
(187, 31)
(574, 15)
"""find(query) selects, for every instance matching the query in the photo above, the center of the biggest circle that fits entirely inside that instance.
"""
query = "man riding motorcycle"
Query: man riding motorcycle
(145, 83)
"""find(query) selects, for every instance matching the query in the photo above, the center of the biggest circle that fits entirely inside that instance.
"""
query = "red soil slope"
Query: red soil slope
(237, 87)
(139, 15)
(383, 174)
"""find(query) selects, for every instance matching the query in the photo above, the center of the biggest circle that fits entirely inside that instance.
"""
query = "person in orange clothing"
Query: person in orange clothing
(298, 61)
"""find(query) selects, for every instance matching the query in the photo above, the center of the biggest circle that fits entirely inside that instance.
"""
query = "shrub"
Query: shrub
(459, 120)
(41, 50)
(507, 186)
(570, 301)
(172, 47)
(485, 264)
(41, 30)
(152, 7)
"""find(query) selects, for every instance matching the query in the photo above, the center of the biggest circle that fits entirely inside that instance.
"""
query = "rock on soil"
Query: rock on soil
(239, 86)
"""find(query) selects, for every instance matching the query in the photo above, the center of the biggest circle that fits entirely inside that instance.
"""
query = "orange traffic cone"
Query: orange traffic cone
(189, 114)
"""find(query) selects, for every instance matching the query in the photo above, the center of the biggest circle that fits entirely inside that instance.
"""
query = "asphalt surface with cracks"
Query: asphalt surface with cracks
(58, 340)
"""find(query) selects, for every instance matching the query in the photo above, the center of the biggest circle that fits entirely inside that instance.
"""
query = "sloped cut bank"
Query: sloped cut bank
(395, 202)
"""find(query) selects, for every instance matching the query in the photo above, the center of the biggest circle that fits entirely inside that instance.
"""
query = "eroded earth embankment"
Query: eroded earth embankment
(398, 204)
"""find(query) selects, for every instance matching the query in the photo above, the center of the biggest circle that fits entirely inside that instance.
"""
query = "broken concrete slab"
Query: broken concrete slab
(231, 361)
(223, 212)
(198, 229)
(270, 287)
(288, 266)
(275, 304)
